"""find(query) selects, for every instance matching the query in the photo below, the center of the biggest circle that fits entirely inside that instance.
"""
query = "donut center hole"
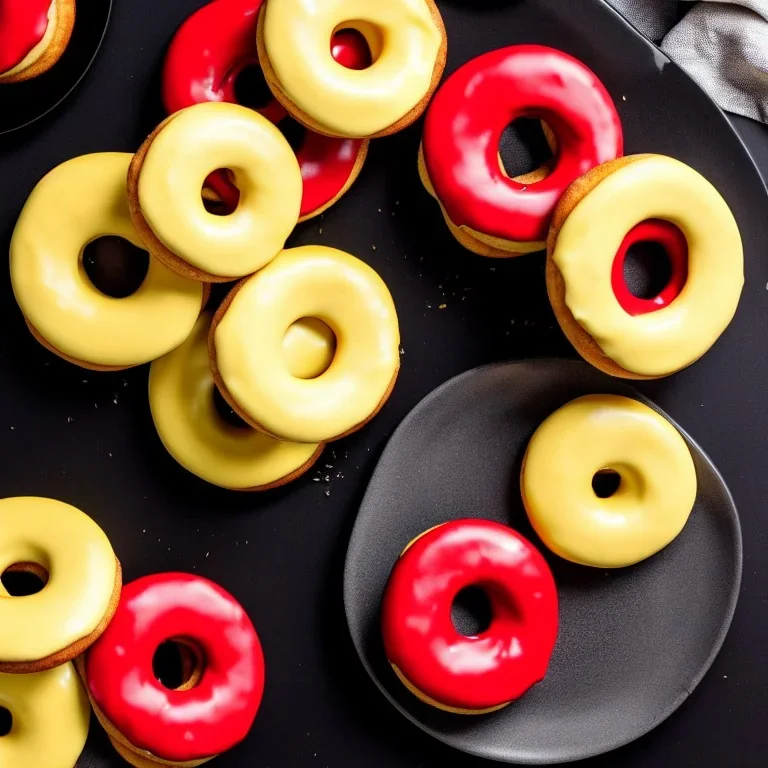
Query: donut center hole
(524, 149)
(471, 611)
(178, 664)
(647, 269)
(309, 346)
(225, 411)
(220, 193)
(293, 132)
(114, 266)
(251, 89)
(605, 483)
(6, 722)
(356, 44)
(24, 579)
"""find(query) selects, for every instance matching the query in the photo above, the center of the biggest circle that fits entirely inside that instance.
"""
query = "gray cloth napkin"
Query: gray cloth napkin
(722, 44)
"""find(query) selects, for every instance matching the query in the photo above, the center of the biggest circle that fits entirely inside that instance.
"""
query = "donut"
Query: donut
(81, 576)
(33, 36)
(459, 163)
(469, 674)
(181, 398)
(213, 47)
(647, 456)
(407, 43)
(166, 178)
(251, 372)
(597, 220)
(213, 709)
(48, 714)
(76, 203)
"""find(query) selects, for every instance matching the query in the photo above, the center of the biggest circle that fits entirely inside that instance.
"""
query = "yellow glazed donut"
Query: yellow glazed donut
(76, 203)
(595, 434)
(165, 184)
(250, 368)
(592, 225)
(57, 541)
(50, 715)
(181, 389)
(408, 45)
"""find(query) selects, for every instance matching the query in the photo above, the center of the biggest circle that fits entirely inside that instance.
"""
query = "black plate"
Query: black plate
(89, 439)
(23, 103)
(633, 642)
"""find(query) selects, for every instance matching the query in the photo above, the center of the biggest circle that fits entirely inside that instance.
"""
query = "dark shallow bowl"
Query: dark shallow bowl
(633, 642)
(23, 103)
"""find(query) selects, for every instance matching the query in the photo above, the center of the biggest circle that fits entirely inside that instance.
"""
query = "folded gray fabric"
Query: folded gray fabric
(722, 44)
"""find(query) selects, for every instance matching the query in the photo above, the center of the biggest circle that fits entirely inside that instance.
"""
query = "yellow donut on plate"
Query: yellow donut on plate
(250, 368)
(181, 390)
(76, 203)
(49, 718)
(165, 191)
(596, 434)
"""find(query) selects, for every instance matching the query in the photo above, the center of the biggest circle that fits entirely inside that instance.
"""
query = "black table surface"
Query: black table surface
(306, 721)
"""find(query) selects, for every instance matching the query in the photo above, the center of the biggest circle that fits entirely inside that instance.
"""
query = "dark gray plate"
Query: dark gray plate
(24, 103)
(633, 642)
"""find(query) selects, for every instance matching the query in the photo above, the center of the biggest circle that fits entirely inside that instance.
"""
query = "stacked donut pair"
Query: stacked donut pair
(606, 482)
(588, 206)
(83, 613)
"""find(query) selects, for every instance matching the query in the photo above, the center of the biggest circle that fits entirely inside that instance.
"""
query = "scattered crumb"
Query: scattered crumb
(143, 530)
(623, 97)
(207, 553)
(373, 247)
(110, 455)
(327, 491)
(114, 399)
(69, 419)
(442, 306)
(12, 428)
(85, 381)
(402, 352)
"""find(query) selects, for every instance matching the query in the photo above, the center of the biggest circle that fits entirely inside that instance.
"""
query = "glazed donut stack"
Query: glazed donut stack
(82, 613)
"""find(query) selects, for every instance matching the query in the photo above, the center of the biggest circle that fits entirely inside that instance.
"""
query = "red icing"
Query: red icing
(212, 48)
(469, 114)
(22, 26)
(503, 662)
(676, 246)
(178, 726)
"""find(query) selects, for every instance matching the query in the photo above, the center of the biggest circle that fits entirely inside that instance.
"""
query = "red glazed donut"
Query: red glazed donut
(146, 720)
(675, 245)
(470, 675)
(489, 212)
(213, 46)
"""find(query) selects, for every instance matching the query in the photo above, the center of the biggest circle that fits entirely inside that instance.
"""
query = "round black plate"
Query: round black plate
(23, 103)
(633, 642)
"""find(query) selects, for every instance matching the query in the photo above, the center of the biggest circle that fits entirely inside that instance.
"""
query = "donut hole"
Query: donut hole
(605, 483)
(6, 721)
(227, 415)
(309, 346)
(472, 611)
(251, 89)
(114, 266)
(220, 193)
(24, 579)
(353, 44)
(525, 148)
(647, 269)
(178, 664)
(293, 132)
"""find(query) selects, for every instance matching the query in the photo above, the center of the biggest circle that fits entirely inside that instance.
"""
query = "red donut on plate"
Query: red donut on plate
(223, 670)
(451, 671)
(487, 211)
(211, 49)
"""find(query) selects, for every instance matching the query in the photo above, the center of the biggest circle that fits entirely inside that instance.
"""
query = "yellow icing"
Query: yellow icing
(202, 139)
(349, 297)
(51, 714)
(40, 48)
(77, 202)
(654, 498)
(664, 341)
(81, 567)
(345, 102)
(181, 390)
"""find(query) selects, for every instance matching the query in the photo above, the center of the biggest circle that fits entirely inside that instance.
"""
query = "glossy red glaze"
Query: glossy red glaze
(503, 662)
(178, 726)
(22, 26)
(674, 243)
(469, 114)
(212, 48)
